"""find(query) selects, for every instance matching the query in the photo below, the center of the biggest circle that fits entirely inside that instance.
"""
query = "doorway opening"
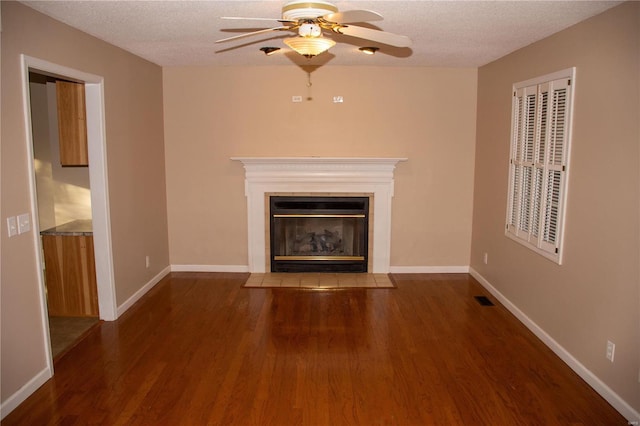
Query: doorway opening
(81, 198)
(63, 193)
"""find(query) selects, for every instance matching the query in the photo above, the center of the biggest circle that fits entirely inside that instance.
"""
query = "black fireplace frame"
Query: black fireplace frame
(331, 206)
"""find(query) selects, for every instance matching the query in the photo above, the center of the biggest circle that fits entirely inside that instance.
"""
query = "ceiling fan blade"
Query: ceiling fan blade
(374, 35)
(353, 16)
(242, 18)
(253, 33)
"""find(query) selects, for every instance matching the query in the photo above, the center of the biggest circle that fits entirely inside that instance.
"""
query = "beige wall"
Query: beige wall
(594, 296)
(425, 114)
(135, 156)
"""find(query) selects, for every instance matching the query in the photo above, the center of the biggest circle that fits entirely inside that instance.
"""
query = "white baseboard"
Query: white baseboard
(429, 269)
(24, 392)
(209, 268)
(598, 385)
(392, 269)
(145, 288)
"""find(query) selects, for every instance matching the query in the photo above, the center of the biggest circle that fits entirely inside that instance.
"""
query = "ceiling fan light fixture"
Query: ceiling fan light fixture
(309, 46)
(269, 50)
(369, 50)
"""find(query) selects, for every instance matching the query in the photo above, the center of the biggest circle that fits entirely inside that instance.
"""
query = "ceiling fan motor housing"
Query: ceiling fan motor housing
(297, 10)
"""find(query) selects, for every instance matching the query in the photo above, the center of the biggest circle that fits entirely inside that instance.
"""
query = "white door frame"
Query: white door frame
(94, 93)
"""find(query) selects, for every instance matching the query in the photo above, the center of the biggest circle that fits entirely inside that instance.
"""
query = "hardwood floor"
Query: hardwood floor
(200, 349)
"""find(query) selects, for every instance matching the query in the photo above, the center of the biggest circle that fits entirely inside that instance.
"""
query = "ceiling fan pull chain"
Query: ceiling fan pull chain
(309, 84)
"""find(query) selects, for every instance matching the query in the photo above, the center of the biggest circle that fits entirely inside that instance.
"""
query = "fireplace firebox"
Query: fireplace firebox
(319, 234)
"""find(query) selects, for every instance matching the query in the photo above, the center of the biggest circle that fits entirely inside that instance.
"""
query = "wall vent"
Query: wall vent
(484, 300)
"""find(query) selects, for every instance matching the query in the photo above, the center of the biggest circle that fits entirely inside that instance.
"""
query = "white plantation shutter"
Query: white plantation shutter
(538, 162)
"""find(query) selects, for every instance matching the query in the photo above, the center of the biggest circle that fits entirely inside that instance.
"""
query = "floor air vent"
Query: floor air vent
(484, 301)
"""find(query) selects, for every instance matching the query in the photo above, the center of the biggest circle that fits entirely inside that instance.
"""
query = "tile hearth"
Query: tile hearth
(318, 280)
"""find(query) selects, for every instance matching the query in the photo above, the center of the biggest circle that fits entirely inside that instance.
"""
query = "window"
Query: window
(540, 139)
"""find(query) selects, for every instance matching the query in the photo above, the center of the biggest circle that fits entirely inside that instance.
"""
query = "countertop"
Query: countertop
(82, 227)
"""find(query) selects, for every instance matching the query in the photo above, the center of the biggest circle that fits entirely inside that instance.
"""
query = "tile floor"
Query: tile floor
(66, 331)
(320, 280)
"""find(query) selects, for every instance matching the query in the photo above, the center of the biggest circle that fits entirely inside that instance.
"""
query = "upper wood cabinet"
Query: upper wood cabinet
(72, 124)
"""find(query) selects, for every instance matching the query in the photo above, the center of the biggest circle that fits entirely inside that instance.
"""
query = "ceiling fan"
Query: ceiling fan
(309, 19)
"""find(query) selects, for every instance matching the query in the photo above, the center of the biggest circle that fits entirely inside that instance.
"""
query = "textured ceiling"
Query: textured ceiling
(444, 33)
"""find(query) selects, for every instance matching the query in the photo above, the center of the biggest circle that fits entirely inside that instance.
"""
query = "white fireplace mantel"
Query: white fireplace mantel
(362, 175)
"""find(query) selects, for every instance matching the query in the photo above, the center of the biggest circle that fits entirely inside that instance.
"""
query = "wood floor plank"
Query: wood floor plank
(199, 349)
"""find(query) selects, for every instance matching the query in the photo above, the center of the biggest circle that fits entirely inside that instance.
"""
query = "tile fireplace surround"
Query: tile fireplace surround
(307, 175)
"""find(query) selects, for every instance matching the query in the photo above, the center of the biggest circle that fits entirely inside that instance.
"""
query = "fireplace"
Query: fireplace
(319, 234)
(321, 175)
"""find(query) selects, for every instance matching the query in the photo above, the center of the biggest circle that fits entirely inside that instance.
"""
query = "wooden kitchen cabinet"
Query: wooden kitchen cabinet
(72, 124)
(70, 275)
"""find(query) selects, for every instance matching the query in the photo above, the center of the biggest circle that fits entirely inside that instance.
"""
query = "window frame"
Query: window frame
(537, 220)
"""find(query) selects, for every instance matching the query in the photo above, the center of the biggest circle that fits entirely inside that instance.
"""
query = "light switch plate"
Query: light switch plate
(24, 223)
(12, 226)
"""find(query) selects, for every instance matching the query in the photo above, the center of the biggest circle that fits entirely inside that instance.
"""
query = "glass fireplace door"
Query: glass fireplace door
(319, 234)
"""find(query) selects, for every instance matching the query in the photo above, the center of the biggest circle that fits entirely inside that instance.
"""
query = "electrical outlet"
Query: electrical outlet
(485, 259)
(24, 223)
(296, 99)
(12, 226)
(611, 350)
(147, 262)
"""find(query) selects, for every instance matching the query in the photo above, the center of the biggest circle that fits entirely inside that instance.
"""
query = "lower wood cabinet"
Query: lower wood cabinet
(70, 275)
